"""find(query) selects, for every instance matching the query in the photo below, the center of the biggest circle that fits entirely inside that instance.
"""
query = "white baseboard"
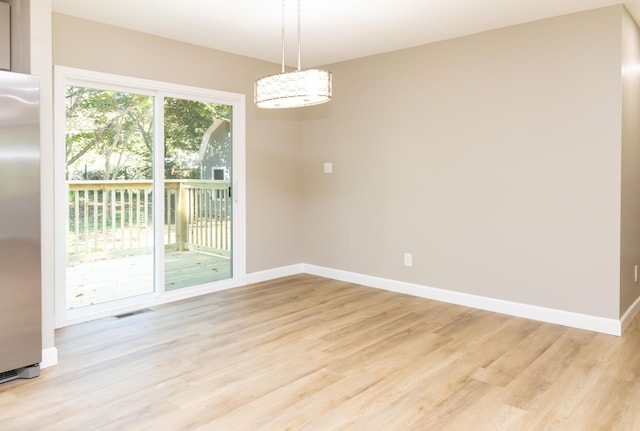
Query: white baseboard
(49, 357)
(271, 274)
(631, 312)
(560, 317)
(550, 315)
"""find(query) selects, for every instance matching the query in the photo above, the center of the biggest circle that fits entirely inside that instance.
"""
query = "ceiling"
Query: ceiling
(332, 30)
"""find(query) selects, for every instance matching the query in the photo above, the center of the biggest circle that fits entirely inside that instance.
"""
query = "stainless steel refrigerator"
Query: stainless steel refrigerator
(20, 291)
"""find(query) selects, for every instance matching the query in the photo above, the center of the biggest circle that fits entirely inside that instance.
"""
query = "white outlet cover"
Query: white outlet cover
(328, 167)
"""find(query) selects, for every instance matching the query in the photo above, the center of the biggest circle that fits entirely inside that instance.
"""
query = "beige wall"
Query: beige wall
(630, 233)
(494, 159)
(272, 138)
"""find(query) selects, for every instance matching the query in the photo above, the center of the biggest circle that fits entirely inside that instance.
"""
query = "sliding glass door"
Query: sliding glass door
(197, 181)
(108, 172)
(148, 199)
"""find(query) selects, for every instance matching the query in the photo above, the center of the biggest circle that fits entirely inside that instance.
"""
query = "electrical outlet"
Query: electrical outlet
(408, 259)
(635, 274)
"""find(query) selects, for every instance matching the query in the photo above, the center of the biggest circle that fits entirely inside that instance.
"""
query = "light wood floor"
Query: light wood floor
(306, 353)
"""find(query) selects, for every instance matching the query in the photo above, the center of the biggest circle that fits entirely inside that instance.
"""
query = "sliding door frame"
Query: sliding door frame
(159, 90)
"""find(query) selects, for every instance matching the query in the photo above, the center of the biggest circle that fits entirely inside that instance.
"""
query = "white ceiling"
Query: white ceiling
(332, 30)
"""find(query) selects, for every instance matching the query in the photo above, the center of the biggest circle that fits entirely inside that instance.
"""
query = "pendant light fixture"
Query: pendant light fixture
(293, 89)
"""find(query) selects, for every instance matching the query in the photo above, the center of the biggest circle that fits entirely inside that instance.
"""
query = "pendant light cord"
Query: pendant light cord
(299, 36)
(282, 36)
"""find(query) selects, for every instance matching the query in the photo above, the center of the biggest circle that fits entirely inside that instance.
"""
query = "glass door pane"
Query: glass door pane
(197, 182)
(109, 232)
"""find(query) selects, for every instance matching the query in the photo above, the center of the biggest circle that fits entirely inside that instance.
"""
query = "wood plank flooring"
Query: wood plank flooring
(307, 353)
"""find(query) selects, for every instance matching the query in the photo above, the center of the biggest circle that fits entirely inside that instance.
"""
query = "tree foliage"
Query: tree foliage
(104, 133)
(110, 135)
(186, 122)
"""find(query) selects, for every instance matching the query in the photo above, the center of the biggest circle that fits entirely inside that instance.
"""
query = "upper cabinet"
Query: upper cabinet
(5, 36)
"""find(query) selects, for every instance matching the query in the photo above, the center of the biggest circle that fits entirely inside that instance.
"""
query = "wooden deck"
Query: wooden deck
(109, 279)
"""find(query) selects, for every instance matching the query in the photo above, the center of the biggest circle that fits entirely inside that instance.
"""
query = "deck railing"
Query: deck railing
(108, 218)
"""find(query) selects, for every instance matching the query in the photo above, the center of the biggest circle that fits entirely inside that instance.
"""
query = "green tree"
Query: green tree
(106, 128)
(185, 123)
(110, 134)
